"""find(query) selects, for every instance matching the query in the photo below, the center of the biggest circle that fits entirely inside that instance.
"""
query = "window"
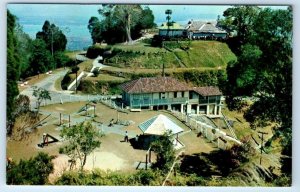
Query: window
(162, 95)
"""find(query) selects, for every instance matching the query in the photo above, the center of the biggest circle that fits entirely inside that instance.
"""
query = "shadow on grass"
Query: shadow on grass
(198, 164)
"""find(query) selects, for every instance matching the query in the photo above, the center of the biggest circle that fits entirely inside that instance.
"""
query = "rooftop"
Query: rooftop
(159, 125)
(154, 85)
(208, 91)
(203, 26)
(172, 27)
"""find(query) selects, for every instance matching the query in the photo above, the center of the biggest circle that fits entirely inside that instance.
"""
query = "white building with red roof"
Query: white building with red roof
(169, 93)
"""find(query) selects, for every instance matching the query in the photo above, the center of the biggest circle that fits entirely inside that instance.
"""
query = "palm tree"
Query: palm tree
(168, 12)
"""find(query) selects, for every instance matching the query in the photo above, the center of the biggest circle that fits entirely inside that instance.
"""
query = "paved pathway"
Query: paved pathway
(57, 96)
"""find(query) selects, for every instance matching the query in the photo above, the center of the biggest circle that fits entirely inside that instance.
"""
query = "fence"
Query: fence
(210, 132)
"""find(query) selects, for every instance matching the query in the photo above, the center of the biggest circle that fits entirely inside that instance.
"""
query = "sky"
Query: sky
(73, 18)
(180, 12)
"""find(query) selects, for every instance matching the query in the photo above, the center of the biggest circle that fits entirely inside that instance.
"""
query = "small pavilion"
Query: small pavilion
(159, 125)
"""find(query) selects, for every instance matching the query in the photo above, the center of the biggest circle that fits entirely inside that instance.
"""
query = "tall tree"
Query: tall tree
(54, 38)
(264, 70)
(95, 29)
(120, 23)
(82, 139)
(41, 60)
(24, 49)
(165, 152)
(241, 18)
(13, 69)
(41, 95)
(168, 12)
(129, 16)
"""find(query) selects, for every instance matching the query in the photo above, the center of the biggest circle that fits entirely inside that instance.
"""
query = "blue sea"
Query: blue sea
(75, 29)
(73, 19)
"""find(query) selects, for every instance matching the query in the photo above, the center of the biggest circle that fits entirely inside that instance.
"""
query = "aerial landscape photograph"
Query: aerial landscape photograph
(149, 95)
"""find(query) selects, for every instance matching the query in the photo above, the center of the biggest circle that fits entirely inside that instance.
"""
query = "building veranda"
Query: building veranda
(168, 93)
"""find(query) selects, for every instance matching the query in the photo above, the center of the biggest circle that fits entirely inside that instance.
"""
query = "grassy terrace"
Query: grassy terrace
(204, 54)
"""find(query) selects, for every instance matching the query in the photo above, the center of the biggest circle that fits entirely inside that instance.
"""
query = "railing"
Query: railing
(151, 102)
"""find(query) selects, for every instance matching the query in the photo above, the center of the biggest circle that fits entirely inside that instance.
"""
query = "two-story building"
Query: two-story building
(169, 93)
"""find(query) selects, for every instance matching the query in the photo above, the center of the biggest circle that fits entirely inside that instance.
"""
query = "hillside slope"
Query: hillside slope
(210, 54)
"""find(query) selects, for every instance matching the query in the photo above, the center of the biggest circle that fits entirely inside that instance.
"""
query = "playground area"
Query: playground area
(114, 153)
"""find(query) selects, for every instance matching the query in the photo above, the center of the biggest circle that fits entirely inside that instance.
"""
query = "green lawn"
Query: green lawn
(209, 54)
(206, 54)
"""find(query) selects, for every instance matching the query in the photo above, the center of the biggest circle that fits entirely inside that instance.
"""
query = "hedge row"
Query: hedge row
(193, 77)
(100, 87)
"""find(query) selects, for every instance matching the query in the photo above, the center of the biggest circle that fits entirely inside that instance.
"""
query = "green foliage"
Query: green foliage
(96, 29)
(201, 78)
(66, 81)
(82, 139)
(100, 87)
(120, 23)
(94, 51)
(61, 60)
(41, 60)
(164, 149)
(75, 69)
(24, 49)
(34, 171)
(264, 68)
(99, 177)
(41, 94)
(189, 54)
(13, 66)
(53, 37)
(96, 73)
(170, 45)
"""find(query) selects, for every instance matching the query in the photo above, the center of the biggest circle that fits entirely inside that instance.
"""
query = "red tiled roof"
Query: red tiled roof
(154, 84)
(207, 91)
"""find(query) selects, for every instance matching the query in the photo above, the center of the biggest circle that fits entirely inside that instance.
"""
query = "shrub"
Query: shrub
(65, 81)
(95, 51)
(74, 69)
(34, 171)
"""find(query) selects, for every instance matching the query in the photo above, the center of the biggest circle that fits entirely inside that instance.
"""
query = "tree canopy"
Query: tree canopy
(120, 23)
(165, 152)
(82, 139)
(34, 171)
(13, 67)
(263, 69)
(53, 37)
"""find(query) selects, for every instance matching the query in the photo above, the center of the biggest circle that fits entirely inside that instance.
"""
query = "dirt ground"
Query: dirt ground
(113, 154)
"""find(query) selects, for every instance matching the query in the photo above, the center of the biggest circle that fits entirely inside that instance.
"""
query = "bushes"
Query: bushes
(95, 51)
(66, 81)
(201, 78)
(100, 87)
(170, 45)
(34, 171)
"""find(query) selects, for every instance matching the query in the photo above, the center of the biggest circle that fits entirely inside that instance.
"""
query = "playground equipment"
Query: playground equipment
(86, 108)
(61, 116)
(46, 141)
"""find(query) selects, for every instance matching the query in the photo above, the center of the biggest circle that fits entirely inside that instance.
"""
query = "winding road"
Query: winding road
(57, 96)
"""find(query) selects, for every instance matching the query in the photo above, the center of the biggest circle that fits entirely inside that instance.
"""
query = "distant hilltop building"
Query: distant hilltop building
(203, 30)
(175, 30)
(169, 93)
(194, 30)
